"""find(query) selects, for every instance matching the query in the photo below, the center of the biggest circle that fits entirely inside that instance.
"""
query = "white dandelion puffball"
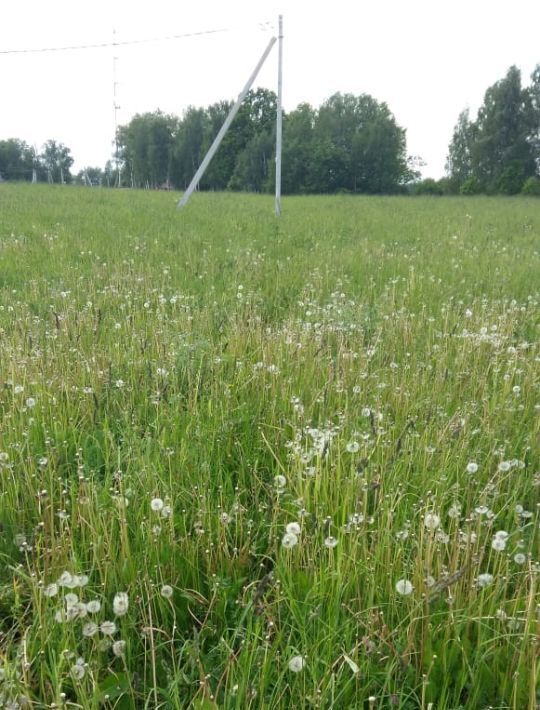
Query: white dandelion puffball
(30, 402)
(166, 591)
(89, 629)
(289, 540)
(157, 505)
(498, 544)
(120, 603)
(520, 558)
(432, 521)
(296, 664)
(65, 579)
(352, 447)
(472, 467)
(51, 590)
(280, 481)
(108, 628)
(118, 648)
(93, 606)
(330, 542)
(484, 580)
(404, 587)
(293, 528)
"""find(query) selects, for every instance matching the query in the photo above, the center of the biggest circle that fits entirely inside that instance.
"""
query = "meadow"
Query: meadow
(249, 462)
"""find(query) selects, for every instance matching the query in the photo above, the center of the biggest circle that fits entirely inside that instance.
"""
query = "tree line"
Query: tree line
(350, 144)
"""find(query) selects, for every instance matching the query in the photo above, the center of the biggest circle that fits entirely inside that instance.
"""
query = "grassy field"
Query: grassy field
(250, 463)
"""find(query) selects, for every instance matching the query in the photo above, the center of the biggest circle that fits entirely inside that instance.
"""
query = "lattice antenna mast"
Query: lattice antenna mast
(116, 108)
(279, 117)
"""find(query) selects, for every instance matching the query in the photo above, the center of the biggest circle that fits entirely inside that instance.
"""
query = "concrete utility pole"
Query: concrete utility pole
(279, 118)
(224, 128)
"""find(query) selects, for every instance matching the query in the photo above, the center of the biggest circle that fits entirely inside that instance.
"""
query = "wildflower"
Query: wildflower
(352, 447)
(107, 628)
(432, 521)
(366, 412)
(280, 481)
(520, 558)
(89, 629)
(498, 544)
(293, 528)
(120, 603)
(93, 606)
(157, 505)
(166, 591)
(484, 580)
(330, 542)
(71, 599)
(404, 587)
(296, 664)
(289, 540)
(78, 670)
(119, 384)
(454, 511)
(65, 579)
(502, 535)
(51, 590)
(18, 389)
(504, 466)
(472, 467)
(30, 402)
(118, 648)
(166, 511)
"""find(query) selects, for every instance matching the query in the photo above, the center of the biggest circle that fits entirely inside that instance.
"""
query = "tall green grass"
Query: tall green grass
(176, 388)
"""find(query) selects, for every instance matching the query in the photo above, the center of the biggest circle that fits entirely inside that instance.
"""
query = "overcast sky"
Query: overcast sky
(428, 60)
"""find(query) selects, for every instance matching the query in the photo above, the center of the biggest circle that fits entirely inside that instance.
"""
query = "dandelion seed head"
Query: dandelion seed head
(166, 591)
(120, 603)
(432, 521)
(289, 540)
(293, 528)
(296, 664)
(89, 629)
(157, 505)
(404, 587)
(107, 628)
(330, 542)
(51, 590)
(119, 648)
(498, 544)
(484, 579)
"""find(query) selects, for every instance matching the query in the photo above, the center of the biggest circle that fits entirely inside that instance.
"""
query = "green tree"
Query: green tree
(146, 149)
(459, 164)
(17, 160)
(297, 151)
(57, 161)
(357, 146)
(502, 154)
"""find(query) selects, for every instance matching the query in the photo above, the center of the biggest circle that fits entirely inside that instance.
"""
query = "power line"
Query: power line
(103, 45)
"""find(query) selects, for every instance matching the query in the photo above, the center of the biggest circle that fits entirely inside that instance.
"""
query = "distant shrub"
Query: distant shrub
(531, 187)
(471, 186)
(429, 186)
(510, 180)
